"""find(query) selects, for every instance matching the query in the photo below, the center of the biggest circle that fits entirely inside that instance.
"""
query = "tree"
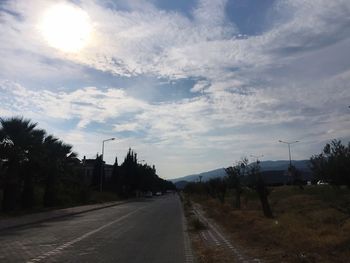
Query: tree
(58, 155)
(134, 178)
(296, 175)
(31, 168)
(115, 180)
(333, 164)
(16, 142)
(234, 181)
(31, 160)
(260, 187)
(218, 188)
(97, 172)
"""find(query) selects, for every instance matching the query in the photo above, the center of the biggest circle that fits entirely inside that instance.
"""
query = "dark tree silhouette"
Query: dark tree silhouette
(97, 172)
(28, 159)
(32, 162)
(31, 168)
(260, 187)
(234, 181)
(58, 155)
(296, 176)
(333, 164)
(16, 137)
(132, 178)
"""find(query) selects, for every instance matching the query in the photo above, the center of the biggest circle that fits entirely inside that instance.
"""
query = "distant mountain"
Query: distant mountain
(281, 165)
(205, 176)
(181, 184)
(303, 165)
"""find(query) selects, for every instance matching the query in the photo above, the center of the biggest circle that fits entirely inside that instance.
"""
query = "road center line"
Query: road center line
(70, 243)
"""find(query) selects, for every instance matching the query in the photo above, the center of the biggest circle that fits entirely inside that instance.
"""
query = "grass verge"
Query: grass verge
(310, 225)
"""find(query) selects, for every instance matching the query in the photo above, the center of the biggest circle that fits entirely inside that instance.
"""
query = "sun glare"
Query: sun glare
(66, 27)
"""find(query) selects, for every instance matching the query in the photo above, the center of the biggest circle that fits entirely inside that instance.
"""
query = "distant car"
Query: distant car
(148, 194)
(158, 194)
(321, 182)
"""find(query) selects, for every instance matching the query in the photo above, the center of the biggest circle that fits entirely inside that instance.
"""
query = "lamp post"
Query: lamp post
(289, 143)
(102, 165)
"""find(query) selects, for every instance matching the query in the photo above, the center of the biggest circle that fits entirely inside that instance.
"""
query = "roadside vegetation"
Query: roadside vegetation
(39, 171)
(291, 223)
(310, 225)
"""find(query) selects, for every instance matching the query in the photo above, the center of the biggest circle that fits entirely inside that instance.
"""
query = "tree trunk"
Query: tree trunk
(265, 205)
(263, 194)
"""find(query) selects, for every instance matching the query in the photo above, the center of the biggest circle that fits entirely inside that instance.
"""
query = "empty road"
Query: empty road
(149, 230)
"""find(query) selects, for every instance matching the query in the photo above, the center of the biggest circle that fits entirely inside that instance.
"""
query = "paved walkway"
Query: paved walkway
(11, 222)
(214, 236)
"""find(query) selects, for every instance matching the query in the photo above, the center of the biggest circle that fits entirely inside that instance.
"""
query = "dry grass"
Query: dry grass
(206, 254)
(309, 226)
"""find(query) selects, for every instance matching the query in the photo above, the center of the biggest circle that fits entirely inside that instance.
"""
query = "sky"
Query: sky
(190, 85)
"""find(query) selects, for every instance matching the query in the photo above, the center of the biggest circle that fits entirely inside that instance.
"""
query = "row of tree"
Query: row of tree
(239, 177)
(39, 169)
(331, 166)
(131, 178)
(30, 157)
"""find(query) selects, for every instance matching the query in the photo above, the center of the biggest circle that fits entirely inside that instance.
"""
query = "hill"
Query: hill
(265, 166)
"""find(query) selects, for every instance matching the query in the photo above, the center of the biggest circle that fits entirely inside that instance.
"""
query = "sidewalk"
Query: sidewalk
(214, 236)
(43, 216)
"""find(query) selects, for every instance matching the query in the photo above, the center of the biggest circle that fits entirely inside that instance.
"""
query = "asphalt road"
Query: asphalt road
(147, 231)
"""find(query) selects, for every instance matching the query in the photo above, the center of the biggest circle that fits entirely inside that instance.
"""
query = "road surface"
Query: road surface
(147, 231)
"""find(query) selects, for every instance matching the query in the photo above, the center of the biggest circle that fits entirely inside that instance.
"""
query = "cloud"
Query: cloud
(169, 44)
(87, 104)
(288, 81)
(126, 127)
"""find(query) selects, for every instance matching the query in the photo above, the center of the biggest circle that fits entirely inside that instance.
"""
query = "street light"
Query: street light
(289, 143)
(102, 166)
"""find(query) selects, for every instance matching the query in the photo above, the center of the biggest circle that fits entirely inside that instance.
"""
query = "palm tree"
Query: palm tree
(16, 135)
(28, 156)
(58, 156)
(32, 167)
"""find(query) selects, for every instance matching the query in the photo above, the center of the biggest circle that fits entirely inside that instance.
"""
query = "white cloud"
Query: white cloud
(250, 89)
(126, 127)
(88, 104)
(171, 45)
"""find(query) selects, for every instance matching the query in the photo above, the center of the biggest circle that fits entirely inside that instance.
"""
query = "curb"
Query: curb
(52, 217)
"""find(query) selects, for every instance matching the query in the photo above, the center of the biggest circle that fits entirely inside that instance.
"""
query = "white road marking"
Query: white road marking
(67, 244)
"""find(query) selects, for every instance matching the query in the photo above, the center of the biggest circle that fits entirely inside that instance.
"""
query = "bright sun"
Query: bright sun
(66, 27)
